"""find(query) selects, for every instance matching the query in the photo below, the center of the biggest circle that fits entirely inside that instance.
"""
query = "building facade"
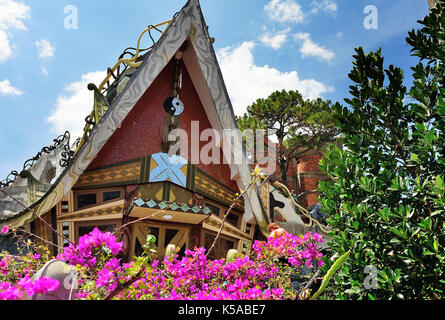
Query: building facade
(122, 176)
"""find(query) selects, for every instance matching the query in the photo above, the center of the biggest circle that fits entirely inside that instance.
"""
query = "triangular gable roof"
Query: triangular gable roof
(187, 24)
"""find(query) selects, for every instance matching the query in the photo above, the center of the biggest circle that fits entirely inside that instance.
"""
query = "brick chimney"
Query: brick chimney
(308, 175)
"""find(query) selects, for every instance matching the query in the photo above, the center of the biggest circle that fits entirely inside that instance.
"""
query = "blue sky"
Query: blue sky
(262, 46)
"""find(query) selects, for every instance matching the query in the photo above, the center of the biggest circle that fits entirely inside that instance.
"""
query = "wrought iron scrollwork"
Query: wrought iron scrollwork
(66, 157)
(9, 179)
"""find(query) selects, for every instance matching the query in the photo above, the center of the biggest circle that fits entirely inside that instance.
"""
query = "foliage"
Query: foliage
(386, 197)
(331, 272)
(299, 125)
(16, 273)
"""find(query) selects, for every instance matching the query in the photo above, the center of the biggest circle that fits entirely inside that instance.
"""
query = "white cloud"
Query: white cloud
(5, 47)
(311, 49)
(74, 105)
(7, 89)
(12, 14)
(275, 41)
(285, 11)
(246, 82)
(324, 5)
(46, 50)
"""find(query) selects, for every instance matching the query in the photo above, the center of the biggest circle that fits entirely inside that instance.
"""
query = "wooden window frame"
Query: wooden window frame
(252, 229)
(161, 239)
(92, 223)
(99, 196)
(236, 242)
(215, 204)
(240, 217)
(223, 209)
(67, 198)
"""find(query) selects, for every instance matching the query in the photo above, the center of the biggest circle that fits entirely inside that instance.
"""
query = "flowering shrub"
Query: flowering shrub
(264, 274)
(91, 247)
(16, 273)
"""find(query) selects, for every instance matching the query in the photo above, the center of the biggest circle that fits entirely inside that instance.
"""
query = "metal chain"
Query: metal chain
(177, 80)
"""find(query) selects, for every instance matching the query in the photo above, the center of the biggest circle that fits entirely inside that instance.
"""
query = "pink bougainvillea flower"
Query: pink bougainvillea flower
(5, 229)
(104, 277)
(39, 286)
(9, 292)
(192, 276)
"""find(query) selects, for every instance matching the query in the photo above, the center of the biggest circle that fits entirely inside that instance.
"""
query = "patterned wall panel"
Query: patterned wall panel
(213, 189)
(94, 212)
(139, 171)
(120, 174)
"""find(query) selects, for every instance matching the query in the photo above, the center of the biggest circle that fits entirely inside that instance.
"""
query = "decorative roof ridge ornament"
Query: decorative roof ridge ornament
(66, 157)
(132, 62)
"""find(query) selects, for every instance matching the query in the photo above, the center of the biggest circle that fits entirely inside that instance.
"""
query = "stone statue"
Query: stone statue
(57, 270)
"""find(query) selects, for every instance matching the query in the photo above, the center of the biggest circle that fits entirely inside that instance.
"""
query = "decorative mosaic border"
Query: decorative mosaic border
(172, 206)
(92, 213)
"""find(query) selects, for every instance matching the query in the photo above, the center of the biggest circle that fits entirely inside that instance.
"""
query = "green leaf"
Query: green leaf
(440, 182)
(355, 225)
(334, 268)
(436, 245)
(397, 232)
(383, 275)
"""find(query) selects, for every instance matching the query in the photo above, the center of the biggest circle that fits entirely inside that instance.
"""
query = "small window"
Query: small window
(104, 228)
(208, 241)
(66, 233)
(233, 219)
(248, 228)
(138, 250)
(169, 235)
(222, 246)
(65, 207)
(85, 200)
(90, 198)
(111, 195)
(214, 209)
(245, 248)
(154, 232)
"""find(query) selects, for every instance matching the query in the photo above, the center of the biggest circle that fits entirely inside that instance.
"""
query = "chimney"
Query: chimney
(308, 177)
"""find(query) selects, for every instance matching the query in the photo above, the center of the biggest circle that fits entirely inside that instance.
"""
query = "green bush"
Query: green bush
(385, 199)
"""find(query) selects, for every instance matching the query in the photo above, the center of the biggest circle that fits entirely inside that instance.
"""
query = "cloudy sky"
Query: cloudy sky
(51, 49)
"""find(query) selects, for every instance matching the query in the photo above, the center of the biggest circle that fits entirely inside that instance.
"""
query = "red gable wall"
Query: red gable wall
(140, 132)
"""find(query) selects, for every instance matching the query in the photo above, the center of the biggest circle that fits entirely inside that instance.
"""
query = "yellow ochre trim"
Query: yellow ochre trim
(129, 62)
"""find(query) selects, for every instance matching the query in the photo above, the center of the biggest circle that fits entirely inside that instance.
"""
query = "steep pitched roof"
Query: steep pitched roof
(189, 25)
(35, 179)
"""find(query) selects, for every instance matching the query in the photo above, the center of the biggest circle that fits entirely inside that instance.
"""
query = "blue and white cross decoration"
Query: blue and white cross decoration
(169, 168)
